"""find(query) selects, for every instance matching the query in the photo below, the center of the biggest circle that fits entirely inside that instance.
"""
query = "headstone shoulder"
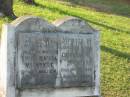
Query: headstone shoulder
(53, 60)
(75, 25)
(33, 24)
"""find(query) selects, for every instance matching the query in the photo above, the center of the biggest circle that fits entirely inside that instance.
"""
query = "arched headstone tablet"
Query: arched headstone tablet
(37, 53)
(88, 61)
(39, 59)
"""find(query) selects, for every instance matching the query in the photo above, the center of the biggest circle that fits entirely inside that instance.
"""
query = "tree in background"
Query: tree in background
(6, 8)
(29, 1)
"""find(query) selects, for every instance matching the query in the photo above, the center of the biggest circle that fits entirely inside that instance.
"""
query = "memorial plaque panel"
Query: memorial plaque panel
(37, 59)
(76, 60)
(45, 59)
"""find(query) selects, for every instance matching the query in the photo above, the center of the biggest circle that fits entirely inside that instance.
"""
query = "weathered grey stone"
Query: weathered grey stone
(33, 24)
(42, 60)
(81, 27)
(67, 63)
(73, 24)
(7, 63)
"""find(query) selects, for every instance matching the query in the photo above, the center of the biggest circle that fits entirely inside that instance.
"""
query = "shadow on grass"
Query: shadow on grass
(39, 5)
(108, 6)
(115, 52)
(82, 16)
(104, 48)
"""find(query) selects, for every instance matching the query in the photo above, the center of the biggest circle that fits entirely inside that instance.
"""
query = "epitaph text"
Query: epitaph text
(55, 60)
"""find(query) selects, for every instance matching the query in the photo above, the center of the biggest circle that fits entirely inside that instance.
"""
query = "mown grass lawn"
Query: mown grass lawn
(115, 39)
(120, 7)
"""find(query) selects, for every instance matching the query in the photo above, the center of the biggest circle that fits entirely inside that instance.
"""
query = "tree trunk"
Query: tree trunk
(6, 7)
(29, 1)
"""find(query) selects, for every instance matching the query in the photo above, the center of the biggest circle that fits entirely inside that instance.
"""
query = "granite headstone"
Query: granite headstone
(40, 59)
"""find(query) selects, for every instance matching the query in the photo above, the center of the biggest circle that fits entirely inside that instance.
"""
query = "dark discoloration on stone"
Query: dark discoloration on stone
(55, 59)
(32, 76)
(37, 59)
(65, 58)
(46, 60)
(76, 61)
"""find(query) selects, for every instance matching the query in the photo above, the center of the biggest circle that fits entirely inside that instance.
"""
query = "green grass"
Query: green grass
(115, 39)
(120, 7)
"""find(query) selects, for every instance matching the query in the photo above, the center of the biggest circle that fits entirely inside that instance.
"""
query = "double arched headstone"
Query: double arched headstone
(40, 59)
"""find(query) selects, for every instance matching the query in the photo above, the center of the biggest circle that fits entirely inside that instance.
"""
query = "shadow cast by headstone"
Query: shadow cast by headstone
(116, 52)
(82, 16)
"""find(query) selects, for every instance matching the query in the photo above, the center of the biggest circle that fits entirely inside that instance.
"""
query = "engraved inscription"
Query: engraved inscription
(76, 61)
(38, 56)
(55, 60)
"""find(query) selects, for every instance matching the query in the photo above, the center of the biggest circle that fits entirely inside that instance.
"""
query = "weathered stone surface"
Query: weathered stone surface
(43, 60)
(78, 26)
(37, 60)
(7, 57)
(74, 25)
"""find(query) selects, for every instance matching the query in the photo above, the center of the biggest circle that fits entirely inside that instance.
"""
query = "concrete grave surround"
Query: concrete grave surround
(40, 59)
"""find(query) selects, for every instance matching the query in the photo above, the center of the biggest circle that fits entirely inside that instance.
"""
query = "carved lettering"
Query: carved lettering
(44, 58)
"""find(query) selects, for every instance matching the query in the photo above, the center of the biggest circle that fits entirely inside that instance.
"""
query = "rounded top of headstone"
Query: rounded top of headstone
(73, 24)
(33, 24)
